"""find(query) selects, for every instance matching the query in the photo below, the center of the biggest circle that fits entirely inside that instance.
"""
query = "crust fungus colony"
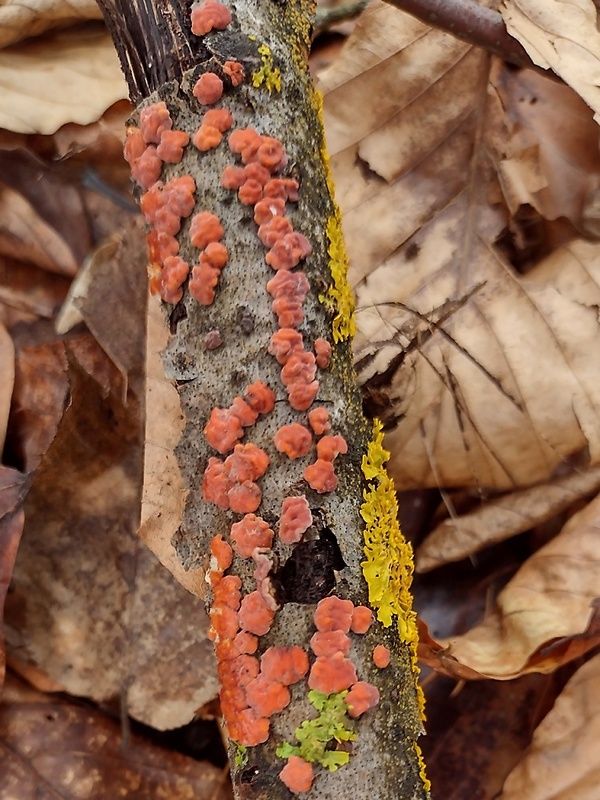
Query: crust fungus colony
(256, 685)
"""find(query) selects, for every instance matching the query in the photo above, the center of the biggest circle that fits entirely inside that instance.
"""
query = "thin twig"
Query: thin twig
(471, 22)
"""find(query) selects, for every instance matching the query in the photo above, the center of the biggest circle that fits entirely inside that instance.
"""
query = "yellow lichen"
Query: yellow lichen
(268, 75)
(339, 298)
(422, 772)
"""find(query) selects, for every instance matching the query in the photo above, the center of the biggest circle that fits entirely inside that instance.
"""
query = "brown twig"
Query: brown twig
(471, 22)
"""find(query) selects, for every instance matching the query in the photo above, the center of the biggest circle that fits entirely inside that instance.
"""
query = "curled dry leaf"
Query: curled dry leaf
(55, 748)
(484, 377)
(501, 518)
(90, 604)
(21, 20)
(7, 379)
(563, 37)
(13, 486)
(86, 80)
(549, 600)
(562, 760)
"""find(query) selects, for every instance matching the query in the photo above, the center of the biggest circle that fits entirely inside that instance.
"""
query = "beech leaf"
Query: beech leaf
(562, 761)
(72, 76)
(483, 376)
(563, 37)
(21, 19)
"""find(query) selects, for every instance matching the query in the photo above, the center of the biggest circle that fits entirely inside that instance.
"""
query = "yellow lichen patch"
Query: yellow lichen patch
(388, 565)
(339, 298)
(268, 75)
(422, 773)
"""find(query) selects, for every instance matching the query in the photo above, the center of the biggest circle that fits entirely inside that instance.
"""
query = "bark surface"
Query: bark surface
(189, 377)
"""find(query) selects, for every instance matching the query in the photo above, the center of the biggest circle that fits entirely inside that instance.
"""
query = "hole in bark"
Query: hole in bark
(309, 573)
(178, 313)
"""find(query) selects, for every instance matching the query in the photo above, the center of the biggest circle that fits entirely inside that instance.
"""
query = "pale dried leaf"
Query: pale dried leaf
(164, 491)
(550, 597)
(7, 379)
(560, 36)
(21, 19)
(25, 236)
(501, 518)
(562, 760)
(552, 157)
(68, 77)
(54, 748)
(483, 377)
(90, 604)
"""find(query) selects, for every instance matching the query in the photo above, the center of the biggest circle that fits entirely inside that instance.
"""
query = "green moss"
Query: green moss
(240, 758)
(317, 736)
(268, 75)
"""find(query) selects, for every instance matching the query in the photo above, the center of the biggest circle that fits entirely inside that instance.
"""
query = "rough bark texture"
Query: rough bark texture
(271, 40)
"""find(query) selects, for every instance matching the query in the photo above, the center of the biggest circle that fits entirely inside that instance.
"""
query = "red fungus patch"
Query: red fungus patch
(204, 281)
(248, 728)
(135, 145)
(328, 643)
(161, 246)
(284, 342)
(244, 497)
(271, 154)
(296, 519)
(224, 622)
(323, 353)
(362, 618)
(267, 697)
(249, 533)
(219, 118)
(289, 290)
(154, 121)
(266, 209)
(284, 664)
(274, 230)
(147, 168)
(247, 462)
(294, 440)
(171, 146)
(332, 674)
(250, 192)
(362, 697)
(333, 614)
(234, 71)
(260, 397)
(255, 616)
(209, 15)
(298, 775)
(227, 593)
(284, 188)
(381, 657)
(207, 138)
(216, 254)
(288, 251)
(221, 551)
(246, 142)
(329, 447)
(232, 177)
(223, 430)
(302, 395)
(245, 413)
(163, 205)
(205, 228)
(175, 271)
(321, 476)
(208, 89)
(318, 419)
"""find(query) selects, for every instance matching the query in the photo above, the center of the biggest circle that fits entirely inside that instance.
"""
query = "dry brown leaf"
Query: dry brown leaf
(501, 518)
(7, 379)
(164, 491)
(484, 377)
(90, 605)
(550, 598)
(560, 36)
(562, 760)
(55, 748)
(68, 77)
(13, 486)
(551, 160)
(21, 19)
